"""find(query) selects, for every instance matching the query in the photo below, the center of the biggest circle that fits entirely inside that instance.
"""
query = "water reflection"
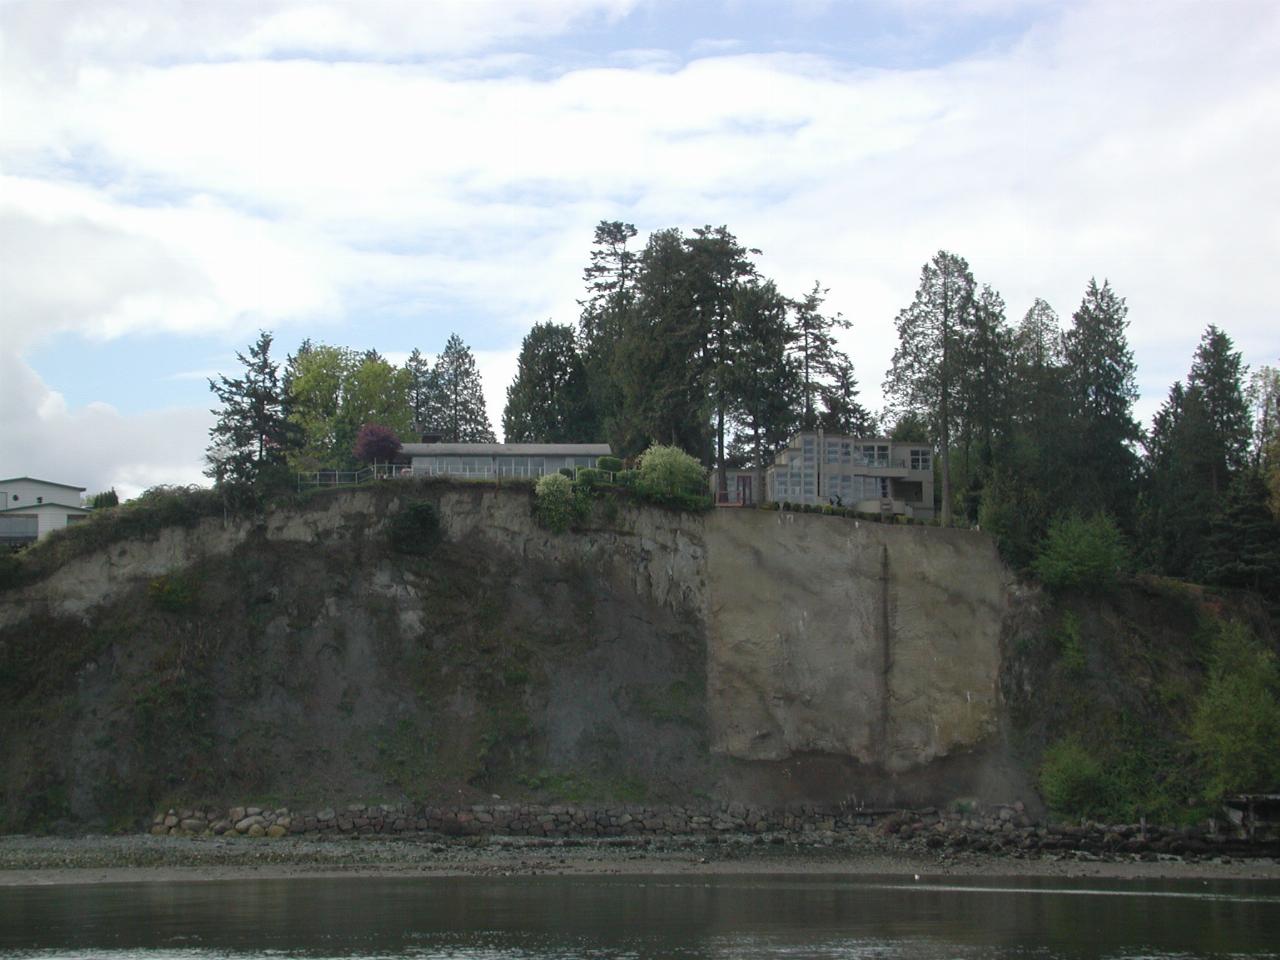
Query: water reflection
(640, 918)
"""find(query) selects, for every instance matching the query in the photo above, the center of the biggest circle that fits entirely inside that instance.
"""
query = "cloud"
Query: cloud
(94, 446)
(219, 168)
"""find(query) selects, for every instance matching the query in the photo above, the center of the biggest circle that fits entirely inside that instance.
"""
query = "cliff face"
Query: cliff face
(652, 655)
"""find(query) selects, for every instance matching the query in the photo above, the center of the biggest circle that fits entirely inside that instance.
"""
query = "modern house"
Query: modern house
(872, 474)
(31, 509)
(488, 460)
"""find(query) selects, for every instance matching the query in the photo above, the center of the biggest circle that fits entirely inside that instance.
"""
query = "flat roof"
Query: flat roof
(47, 483)
(506, 449)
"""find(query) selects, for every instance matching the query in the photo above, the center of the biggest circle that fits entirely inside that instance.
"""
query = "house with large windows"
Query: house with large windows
(31, 509)
(871, 474)
(491, 460)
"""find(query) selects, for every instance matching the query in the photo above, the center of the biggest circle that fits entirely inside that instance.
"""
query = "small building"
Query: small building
(31, 509)
(871, 474)
(491, 460)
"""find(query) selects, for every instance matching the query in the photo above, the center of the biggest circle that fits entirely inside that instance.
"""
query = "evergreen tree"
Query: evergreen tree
(926, 370)
(841, 411)
(1217, 379)
(423, 392)
(548, 402)
(1177, 502)
(718, 264)
(813, 344)
(660, 359)
(251, 437)
(1264, 394)
(462, 414)
(1101, 388)
(610, 280)
(1243, 547)
(765, 379)
(983, 391)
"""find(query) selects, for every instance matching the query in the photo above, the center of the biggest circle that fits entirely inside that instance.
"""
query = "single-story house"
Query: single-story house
(31, 509)
(487, 460)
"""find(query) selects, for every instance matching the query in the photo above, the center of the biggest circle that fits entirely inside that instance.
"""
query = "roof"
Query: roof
(47, 483)
(506, 449)
(30, 507)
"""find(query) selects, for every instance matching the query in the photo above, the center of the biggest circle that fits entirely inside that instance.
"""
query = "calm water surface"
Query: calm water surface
(570, 918)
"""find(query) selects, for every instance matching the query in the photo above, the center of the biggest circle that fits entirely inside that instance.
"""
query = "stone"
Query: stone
(160, 830)
(275, 830)
(171, 820)
(192, 825)
(257, 830)
(221, 826)
(325, 815)
(236, 814)
(248, 823)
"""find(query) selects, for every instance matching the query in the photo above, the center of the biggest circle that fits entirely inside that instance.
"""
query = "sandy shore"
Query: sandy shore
(134, 859)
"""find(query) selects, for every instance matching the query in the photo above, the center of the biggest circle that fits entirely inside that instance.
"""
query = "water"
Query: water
(641, 917)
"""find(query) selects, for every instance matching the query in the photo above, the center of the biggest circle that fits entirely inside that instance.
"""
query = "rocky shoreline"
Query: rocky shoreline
(1000, 831)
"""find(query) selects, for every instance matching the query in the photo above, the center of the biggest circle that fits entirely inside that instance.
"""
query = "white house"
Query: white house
(31, 508)
(489, 460)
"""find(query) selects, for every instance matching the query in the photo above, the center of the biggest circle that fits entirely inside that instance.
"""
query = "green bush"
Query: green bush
(609, 464)
(1072, 781)
(566, 472)
(588, 478)
(172, 593)
(415, 529)
(1069, 643)
(1235, 729)
(556, 506)
(1081, 553)
(669, 476)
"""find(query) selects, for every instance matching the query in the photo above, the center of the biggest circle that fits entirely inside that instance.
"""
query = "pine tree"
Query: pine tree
(983, 390)
(462, 414)
(1101, 388)
(765, 379)
(548, 402)
(251, 438)
(1243, 547)
(841, 411)
(610, 280)
(423, 392)
(813, 344)
(926, 370)
(1217, 379)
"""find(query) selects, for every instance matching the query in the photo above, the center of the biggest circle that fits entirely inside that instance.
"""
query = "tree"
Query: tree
(251, 438)
(659, 360)
(841, 411)
(316, 375)
(765, 379)
(982, 390)
(1217, 378)
(548, 400)
(423, 393)
(1243, 546)
(610, 279)
(717, 265)
(376, 444)
(1101, 388)
(107, 498)
(462, 416)
(1264, 395)
(813, 344)
(926, 363)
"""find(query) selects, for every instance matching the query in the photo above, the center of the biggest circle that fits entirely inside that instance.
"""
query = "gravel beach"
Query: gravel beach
(26, 860)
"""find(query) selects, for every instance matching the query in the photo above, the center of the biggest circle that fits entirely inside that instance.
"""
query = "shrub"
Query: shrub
(669, 476)
(566, 472)
(107, 498)
(609, 464)
(588, 478)
(1069, 643)
(172, 593)
(1235, 728)
(415, 529)
(828, 510)
(1079, 553)
(1072, 781)
(556, 506)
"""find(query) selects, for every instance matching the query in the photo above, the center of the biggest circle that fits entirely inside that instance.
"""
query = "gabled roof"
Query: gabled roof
(47, 483)
(506, 449)
(32, 507)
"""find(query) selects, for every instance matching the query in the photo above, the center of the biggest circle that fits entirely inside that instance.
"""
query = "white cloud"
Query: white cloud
(160, 182)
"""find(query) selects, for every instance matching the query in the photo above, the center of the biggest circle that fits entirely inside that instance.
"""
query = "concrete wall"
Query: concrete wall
(876, 642)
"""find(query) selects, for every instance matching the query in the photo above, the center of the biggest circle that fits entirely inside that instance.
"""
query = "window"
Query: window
(919, 459)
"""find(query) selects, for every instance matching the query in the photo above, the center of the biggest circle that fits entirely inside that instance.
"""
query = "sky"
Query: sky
(176, 176)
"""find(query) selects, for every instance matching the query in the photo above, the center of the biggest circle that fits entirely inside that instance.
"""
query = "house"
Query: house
(872, 474)
(489, 460)
(31, 509)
